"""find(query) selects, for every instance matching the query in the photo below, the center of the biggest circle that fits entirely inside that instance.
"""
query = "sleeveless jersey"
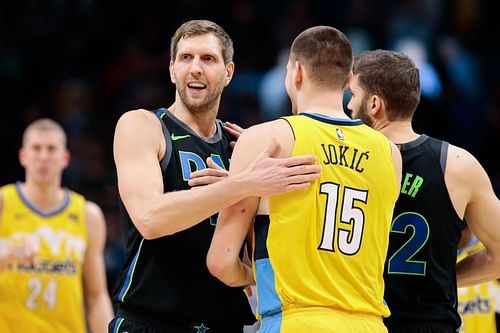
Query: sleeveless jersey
(476, 304)
(48, 296)
(420, 273)
(325, 246)
(167, 278)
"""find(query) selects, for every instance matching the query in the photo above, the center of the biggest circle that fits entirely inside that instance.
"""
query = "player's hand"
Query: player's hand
(234, 131)
(24, 252)
(267, 175)
(213, 173)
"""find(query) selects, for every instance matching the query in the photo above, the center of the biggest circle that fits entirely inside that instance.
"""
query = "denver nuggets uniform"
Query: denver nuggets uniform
(46, 297)
(319, 255)
(476, 304)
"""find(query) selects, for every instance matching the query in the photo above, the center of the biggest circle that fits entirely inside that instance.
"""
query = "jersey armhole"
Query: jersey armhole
(160, 113)
(443, 156)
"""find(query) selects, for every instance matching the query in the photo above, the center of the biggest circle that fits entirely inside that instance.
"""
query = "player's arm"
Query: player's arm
(234, 222)
(98, 309)
(482, 213)
(22, 252)
(139, 145)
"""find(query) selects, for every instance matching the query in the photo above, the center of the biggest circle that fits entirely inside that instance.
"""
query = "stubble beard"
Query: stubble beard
(196, 106)
(364, 116)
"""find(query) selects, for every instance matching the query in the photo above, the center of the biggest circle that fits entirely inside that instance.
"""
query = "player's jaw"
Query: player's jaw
(200, 95)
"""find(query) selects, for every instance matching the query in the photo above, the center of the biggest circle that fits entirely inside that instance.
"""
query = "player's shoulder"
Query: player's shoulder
(268, 127)
(137, 115)
(461, 160)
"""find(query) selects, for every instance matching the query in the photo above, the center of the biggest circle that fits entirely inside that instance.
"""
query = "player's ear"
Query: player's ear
(171, 70)
(229, 73)
(376, 105)
(298, 75)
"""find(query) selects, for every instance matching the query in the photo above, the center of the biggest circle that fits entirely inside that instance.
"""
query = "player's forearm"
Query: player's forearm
(99, 313)
(477, 268)
(179, 210)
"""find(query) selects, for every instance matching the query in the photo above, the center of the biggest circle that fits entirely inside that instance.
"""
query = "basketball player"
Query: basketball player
(319, 253)
(443, 186)
(52, 274)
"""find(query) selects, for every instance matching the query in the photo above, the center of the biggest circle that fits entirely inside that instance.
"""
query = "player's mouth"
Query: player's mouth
(197, 85)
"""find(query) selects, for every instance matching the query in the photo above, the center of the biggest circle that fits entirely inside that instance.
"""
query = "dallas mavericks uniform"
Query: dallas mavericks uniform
(319, 255)
(165, 282)
(420, 273)
(46, 297)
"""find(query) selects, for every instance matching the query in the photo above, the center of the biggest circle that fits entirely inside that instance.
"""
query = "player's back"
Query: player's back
(420, 271)
(325, 246)
(46, 297)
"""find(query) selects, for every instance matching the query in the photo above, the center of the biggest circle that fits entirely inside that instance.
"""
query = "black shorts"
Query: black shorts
(127, 325)
(420, 327)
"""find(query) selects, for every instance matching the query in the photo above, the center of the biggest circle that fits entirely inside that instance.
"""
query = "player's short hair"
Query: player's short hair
(44, 124)
(200, 27)
(394, 77)
(326, 55)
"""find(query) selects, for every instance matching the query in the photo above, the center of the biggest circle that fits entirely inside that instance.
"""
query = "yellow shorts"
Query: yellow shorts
(318, 320)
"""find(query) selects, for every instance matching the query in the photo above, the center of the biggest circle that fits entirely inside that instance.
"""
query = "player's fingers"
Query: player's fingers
(205, 180)
(304, 169)
(300, 159)
(233, 127)
(211, 164)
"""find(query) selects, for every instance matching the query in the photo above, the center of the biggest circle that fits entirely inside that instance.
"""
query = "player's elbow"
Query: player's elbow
(220, 266)
(144, 223)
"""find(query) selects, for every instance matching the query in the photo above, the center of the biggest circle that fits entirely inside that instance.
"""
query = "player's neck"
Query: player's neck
(324, 103)
(399, 132)
(202, 123)
(44, 196)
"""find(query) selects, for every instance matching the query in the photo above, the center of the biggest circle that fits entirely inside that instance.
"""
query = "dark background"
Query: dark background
(85, 62)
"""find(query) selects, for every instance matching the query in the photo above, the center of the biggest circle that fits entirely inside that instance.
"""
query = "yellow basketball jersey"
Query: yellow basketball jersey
(46, 297)
(325, 246)
(476, 304)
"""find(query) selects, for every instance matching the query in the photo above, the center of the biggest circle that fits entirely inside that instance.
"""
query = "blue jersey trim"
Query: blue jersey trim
(335, 121)
(41, 212)
(119, 321)
(269, 301)
(130, 274)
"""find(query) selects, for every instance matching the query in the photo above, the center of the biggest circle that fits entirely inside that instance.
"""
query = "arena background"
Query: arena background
(85, 62)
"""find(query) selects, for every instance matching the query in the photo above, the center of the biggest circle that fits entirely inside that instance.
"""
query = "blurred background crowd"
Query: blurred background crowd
(85, 62)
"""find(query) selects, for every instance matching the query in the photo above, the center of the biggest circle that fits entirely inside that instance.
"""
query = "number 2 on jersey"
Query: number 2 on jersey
(348, 240)
(401, 261)
(41, 293)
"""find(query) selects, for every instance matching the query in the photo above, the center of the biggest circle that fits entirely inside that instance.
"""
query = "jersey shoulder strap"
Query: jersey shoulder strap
(160, 113)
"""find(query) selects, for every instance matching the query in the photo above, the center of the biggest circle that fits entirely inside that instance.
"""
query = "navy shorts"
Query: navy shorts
(126, 325)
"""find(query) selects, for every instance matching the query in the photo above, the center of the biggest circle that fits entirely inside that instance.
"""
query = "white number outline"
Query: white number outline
(348, 241)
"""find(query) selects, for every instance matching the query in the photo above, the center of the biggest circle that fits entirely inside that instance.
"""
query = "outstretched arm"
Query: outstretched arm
(99, 311)
(482, 213)
(139, 145)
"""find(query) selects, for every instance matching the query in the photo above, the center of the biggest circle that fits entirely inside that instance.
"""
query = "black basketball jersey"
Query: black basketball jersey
(167, 278)
(420, 275)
